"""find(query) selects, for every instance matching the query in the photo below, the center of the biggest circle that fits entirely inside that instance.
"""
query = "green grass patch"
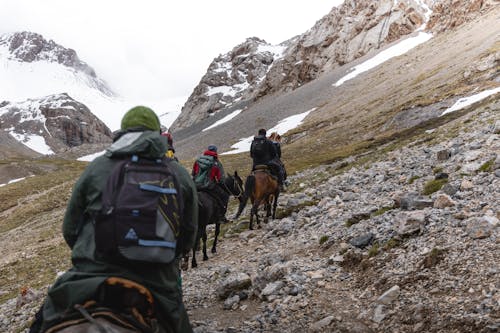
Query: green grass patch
(437, 170)
(383, 210)
(374, 250)
(323, 239)
(433, 185)
(488, 166)
(413, 178)
(391, 243)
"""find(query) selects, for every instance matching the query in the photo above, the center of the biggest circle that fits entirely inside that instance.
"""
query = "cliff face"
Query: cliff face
(254, 68)
(230, 78)
(57, 122)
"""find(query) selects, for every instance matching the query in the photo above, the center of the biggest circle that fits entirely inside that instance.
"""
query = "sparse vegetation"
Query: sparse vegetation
(432, 258)
(374, 250)
(487, 166)
(433, 185)
(413, 178)
(437, 170)
(391, 243)
(383, 210)
(323, 239)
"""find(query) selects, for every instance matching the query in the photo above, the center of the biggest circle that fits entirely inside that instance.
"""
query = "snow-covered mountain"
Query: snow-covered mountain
(355, 29)
(52, 124)
(48, 94)
(32, 66)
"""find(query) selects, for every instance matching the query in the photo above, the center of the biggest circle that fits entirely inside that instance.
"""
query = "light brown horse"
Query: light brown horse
(262, 188)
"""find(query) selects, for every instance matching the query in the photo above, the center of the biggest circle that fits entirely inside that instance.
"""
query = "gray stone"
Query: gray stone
(378, 314)
(478, 228)
(231, 302)
(273, 288)
(450, 189)
(321, 325)
(410, 222)
(362, 240)
(233, 283)
(389, 296)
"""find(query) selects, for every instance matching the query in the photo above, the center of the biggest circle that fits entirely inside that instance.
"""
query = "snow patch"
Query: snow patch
(13, 181)
(91, 157)
(33, 142)
(393, 51)
(281, 128)
(223, 120)
(466, 101)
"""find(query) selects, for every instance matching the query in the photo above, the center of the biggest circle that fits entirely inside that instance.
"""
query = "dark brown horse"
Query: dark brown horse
(263, 190)
(208, 214)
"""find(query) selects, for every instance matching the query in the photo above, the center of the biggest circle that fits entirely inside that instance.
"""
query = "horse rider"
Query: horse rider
(264, 152)
(84, 282)
(208, 175)
(170, 150)
(276, 140)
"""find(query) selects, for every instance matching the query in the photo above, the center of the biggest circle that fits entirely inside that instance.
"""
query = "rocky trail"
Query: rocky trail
(373, 254)
(360, 247)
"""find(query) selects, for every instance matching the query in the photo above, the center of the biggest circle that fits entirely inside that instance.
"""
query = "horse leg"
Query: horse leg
(194, 264)
(185, 262)
(217, 231)
(204, 238)
(275, 204)
(255, 209)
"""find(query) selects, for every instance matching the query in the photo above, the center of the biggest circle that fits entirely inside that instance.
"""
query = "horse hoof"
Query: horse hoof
(214, 251)
(205, 258)
(194, 265)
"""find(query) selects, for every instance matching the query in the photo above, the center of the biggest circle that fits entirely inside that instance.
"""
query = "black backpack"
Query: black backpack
(141, 212)
(259, 148)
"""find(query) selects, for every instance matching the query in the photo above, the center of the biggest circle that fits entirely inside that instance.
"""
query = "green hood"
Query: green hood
(149, 144)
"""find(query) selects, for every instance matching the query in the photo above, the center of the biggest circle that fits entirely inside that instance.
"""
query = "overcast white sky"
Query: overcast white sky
(158, 49)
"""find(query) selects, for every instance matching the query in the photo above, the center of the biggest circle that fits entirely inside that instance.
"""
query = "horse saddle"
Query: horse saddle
(261, 167)
(266, 169)
(122, 306)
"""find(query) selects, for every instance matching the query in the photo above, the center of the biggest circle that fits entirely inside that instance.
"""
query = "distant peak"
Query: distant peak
(28, 46)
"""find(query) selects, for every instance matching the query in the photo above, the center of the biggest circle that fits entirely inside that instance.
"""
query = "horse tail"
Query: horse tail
(249, 187)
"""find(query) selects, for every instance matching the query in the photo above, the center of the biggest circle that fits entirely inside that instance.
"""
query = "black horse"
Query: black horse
(208, 213)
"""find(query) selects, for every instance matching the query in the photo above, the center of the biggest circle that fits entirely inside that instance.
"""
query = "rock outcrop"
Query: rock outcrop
(449, 14)
(254, 68)
(58, 122)
(230, 78)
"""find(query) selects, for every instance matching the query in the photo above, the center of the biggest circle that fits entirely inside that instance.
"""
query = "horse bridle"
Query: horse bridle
(237, 186)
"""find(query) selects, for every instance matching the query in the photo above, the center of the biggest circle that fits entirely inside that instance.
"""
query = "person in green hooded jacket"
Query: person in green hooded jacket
(139, 135)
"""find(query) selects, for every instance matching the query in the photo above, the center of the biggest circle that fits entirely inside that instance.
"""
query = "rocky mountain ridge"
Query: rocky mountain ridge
(57, 121)
(347, 33)
(31, 47)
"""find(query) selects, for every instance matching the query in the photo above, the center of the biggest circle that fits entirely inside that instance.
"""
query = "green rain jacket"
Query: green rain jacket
(80, 283)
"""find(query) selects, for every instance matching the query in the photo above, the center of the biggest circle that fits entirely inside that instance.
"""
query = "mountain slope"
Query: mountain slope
(377, 103)
(345, 34)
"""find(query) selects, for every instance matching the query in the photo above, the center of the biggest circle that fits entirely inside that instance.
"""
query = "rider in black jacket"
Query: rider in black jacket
(264, 152)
